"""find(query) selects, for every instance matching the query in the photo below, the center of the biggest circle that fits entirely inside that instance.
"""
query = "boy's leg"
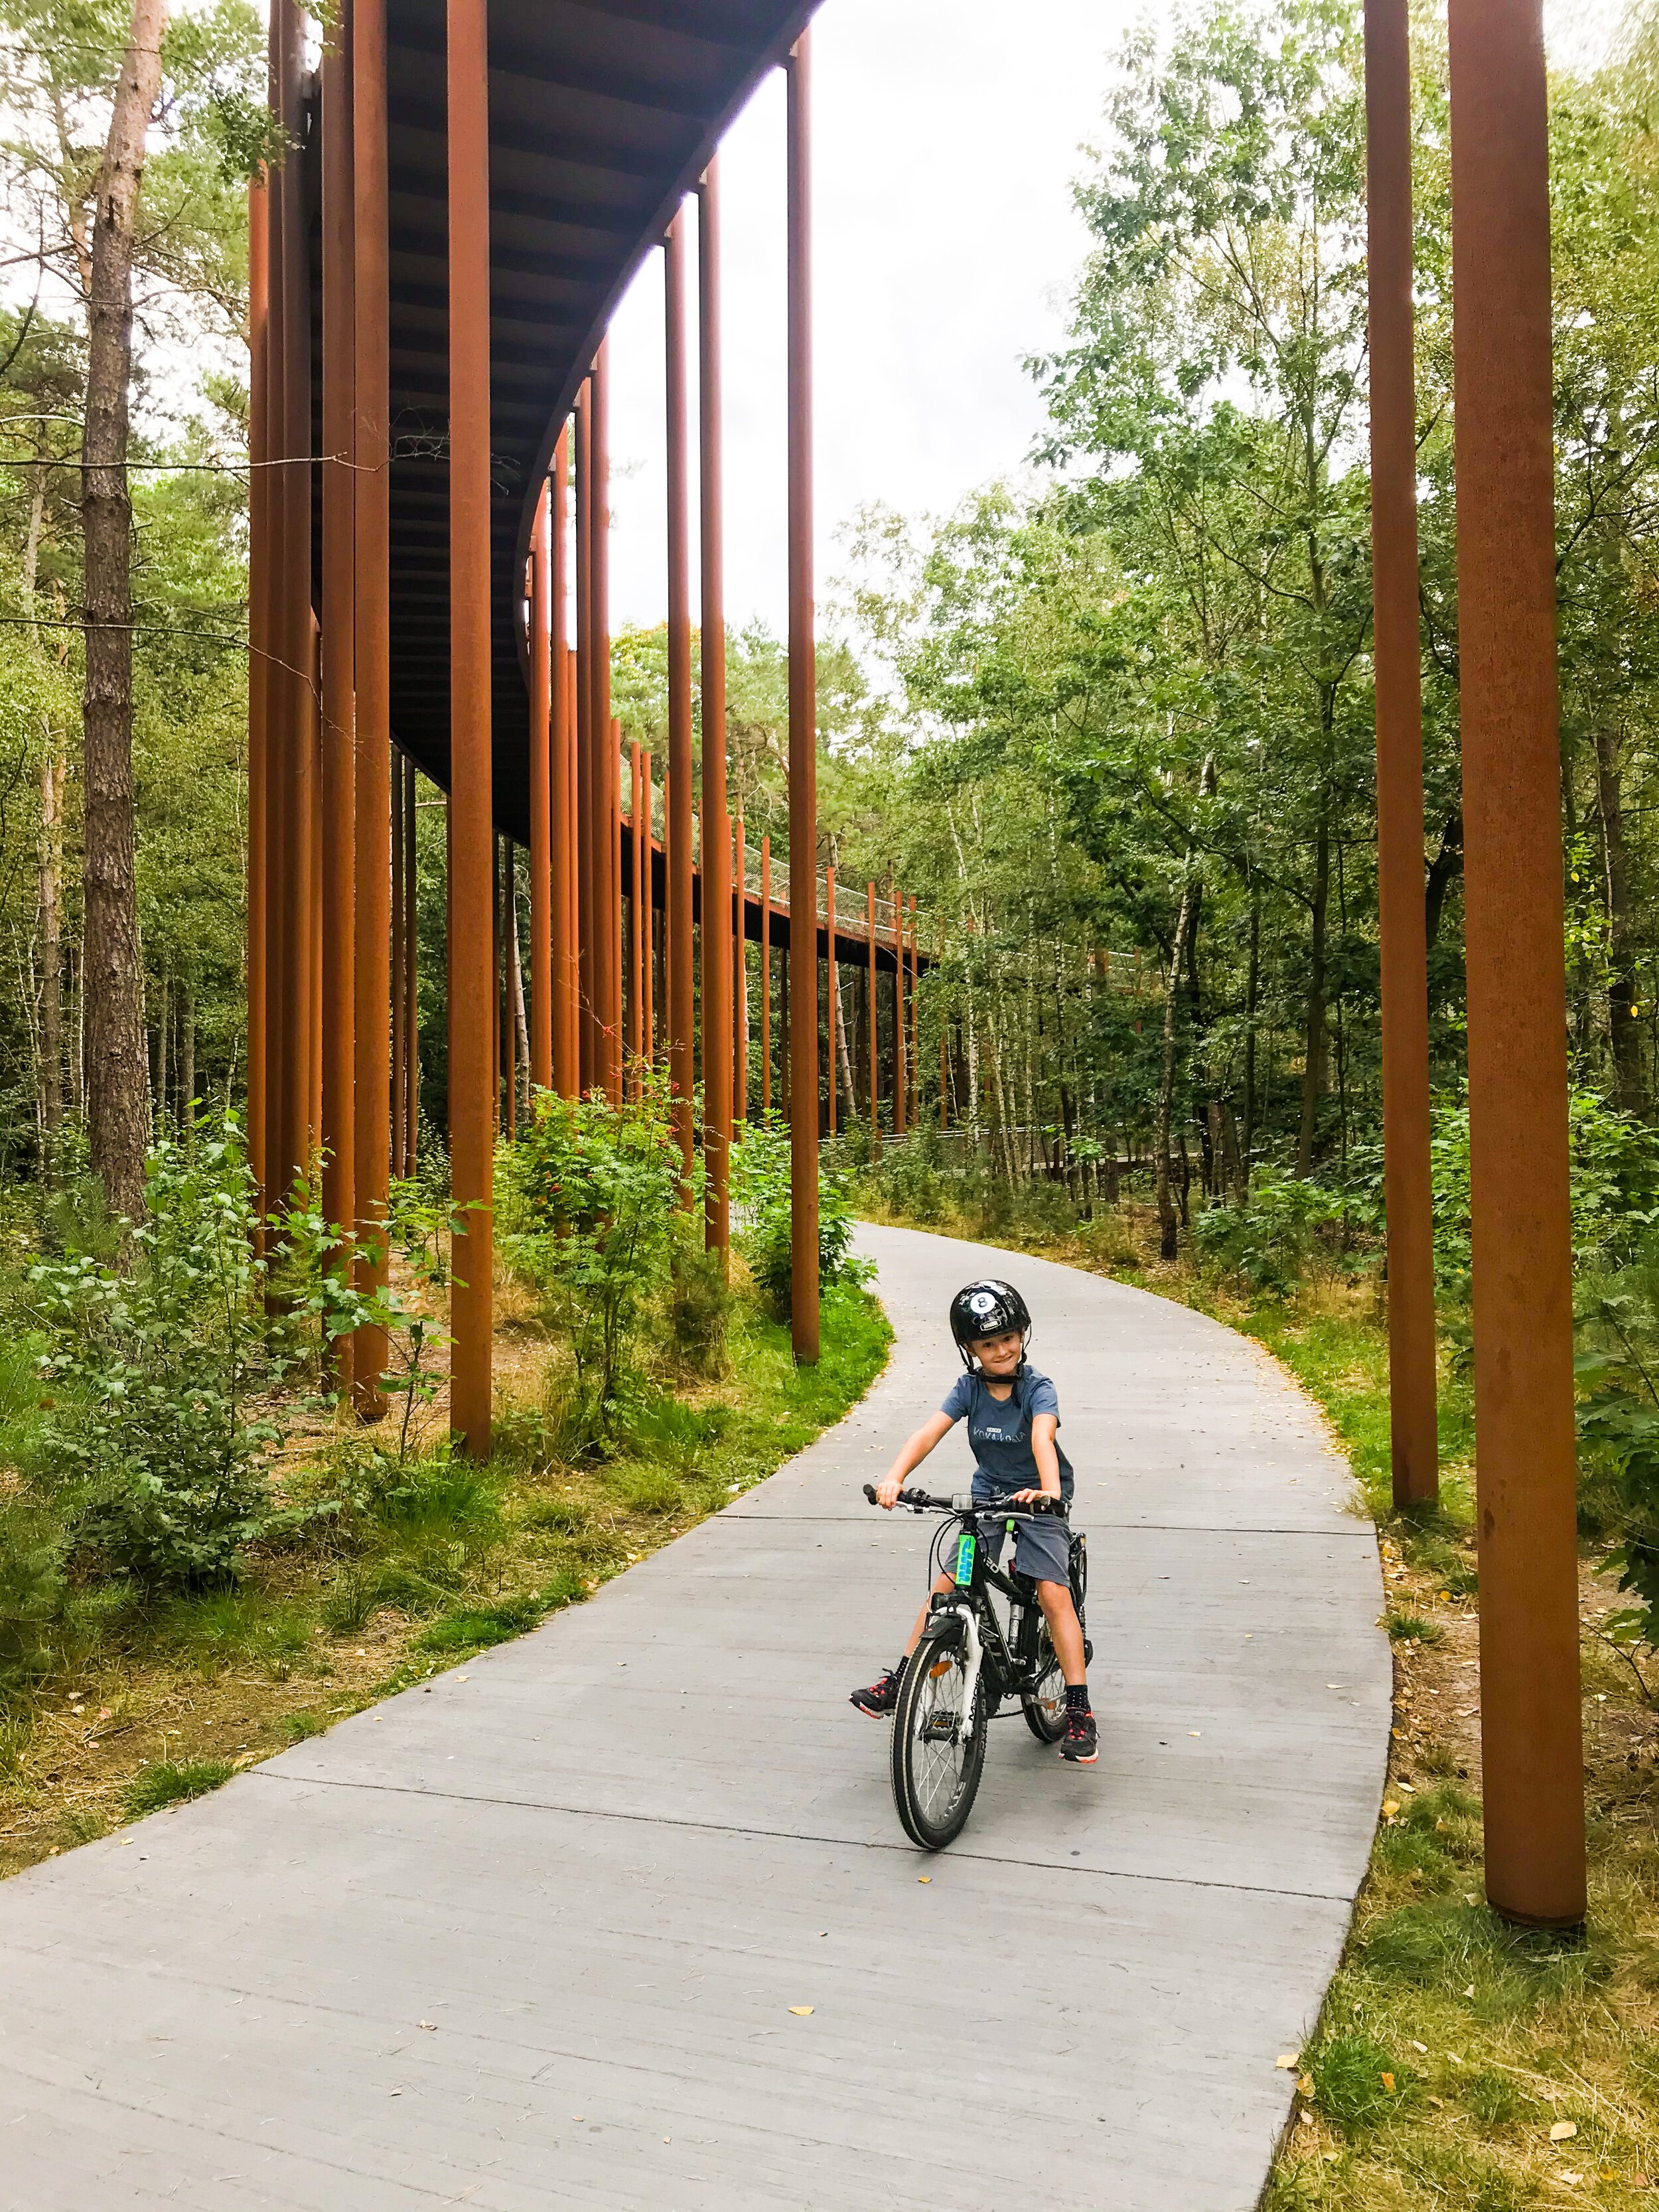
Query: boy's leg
(882, 1695)
(1064, 1631)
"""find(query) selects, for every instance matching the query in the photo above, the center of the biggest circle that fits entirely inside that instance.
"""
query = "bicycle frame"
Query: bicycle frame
(1012, 1672)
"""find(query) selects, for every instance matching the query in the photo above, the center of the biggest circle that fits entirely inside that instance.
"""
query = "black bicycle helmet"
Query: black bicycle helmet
(987, 1308)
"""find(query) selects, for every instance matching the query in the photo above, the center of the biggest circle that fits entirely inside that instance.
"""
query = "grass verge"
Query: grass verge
(149, 1705)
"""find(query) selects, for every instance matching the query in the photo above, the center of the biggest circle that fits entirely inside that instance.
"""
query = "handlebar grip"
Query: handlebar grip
(870, 1493)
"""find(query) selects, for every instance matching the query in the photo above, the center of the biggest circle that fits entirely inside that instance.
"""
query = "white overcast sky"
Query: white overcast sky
(946, 139)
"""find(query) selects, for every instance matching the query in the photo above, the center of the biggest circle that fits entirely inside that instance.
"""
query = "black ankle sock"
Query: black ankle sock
(1077, 1697)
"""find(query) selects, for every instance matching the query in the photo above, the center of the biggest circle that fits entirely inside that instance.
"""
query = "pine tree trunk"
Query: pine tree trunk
(112, 972)
(187, 1056)
(1624, 1036)
(1167, 1223)
(1313, 1070)
(51, 958)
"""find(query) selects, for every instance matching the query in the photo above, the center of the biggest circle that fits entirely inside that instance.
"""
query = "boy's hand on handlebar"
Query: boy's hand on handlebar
(887, 1490)
(1030, 1497)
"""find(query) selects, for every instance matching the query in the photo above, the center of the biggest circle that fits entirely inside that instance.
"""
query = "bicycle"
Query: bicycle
(966, 1665)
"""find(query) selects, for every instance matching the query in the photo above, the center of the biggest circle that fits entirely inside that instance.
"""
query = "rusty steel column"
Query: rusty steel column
(372, 654)
(915, 1017)
(398, 1041)
(739, 979)
(541, 797)
(677, 826)
(607, 913)
(588, 1068)
(295, 639)
(411, 980)
(636, 911)
(802, 729)
(1396, 660)
(1531, 1733)
(766, 975)
(875, 1058)
(472, 995)
(258, 627)
(716, 848)
(829, 979)
(649, 1021)
(338, 728)
(613, 771)
(900, 1071)
(562, 836)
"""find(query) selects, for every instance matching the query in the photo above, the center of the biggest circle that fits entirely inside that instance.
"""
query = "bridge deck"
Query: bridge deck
(533, 1939)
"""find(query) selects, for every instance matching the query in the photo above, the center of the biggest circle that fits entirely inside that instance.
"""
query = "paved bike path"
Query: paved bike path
(546, 1935)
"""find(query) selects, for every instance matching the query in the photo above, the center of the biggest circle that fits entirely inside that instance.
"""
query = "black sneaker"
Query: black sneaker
(883, 1694)
(1081, 1744)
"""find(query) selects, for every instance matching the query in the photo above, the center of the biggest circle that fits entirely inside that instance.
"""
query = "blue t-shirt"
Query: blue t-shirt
(999, 1430)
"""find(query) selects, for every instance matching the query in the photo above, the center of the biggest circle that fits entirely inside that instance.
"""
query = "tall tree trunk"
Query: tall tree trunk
(1167, 1220)
(187, 1056)
(52, 955)
(843, 1058)
(163, 1013)
(112, 973)
(1252, 1000)
(1313, 1072)
(520, 1026)
(1624, 1036)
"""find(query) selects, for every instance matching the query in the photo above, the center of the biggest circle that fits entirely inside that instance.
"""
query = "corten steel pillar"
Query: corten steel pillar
(647, 789)
(802, 730)
(573, 911)
(1396, 660)
(411, 980)
(617, 832)
(607, 911)
(636, 913)
(471, 997)
(1532, 1749)
(541, 797)
(338, 746)
(915, 1017)
(259, 514)
(294, 642)
(398, 1040)
(372, 956)
(875, 1057)
(766, 974)
(740, 978)
(586, 954)
(562, 870)
(829, 979)
(716, 835)
(944, 1033)
(900, 1083)
(677, 813)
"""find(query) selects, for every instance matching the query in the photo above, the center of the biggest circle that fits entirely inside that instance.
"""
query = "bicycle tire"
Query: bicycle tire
(934, 1791)
(1045, 1708)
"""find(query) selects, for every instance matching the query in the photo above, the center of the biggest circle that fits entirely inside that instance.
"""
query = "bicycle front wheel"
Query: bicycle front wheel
(939, 1747)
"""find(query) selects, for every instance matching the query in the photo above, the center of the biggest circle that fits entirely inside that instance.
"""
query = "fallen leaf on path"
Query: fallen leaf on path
(924, 1877)
(1290, 2060)
(800, 2011)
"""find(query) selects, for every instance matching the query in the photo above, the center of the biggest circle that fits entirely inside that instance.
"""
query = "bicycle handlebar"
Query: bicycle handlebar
(920, 1501)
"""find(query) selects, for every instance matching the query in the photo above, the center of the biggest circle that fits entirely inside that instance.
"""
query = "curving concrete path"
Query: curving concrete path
(534, 1938)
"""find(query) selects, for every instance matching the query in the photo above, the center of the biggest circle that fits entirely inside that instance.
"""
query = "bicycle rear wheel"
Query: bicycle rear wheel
(938, 1747)
(1045, 1708)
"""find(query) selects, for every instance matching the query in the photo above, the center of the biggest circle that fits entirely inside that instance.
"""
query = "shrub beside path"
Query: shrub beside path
(619, 1916)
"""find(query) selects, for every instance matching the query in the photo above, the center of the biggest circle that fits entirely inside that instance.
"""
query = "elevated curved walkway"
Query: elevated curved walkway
(608, 1861)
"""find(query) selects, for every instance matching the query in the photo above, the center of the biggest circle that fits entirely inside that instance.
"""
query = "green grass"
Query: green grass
(166, 1783)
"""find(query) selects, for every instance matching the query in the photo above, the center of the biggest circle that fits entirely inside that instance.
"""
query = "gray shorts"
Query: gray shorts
(1042, 1545)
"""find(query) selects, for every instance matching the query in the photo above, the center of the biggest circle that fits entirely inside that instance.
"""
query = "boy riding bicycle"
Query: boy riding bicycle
(1012, 1413)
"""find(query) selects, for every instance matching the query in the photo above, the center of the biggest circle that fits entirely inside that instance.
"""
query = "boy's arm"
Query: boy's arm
(915, 1451)
(1043, 1426)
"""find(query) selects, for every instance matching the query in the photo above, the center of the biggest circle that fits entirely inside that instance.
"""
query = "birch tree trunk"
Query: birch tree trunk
(51, 954)
(111, 971)
(1624, 1038)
